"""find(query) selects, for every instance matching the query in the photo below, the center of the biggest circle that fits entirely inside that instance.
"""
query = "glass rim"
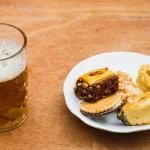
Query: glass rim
(24, 42)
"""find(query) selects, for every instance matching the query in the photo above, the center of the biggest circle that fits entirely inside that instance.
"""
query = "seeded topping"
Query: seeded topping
(127, 88)
(98, 72)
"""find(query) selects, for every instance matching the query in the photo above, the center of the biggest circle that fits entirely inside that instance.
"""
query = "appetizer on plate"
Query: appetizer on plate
(104, 91)
(96, 85)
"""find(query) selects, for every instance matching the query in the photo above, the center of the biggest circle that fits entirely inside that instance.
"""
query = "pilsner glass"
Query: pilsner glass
(13, 77)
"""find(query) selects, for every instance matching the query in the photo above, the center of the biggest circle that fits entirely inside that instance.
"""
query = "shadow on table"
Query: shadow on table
(113, 141)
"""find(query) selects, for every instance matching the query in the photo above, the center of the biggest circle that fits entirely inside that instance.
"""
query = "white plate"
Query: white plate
(123, 61)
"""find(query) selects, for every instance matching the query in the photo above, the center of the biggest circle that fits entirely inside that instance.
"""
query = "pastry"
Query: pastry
(96, 85)
(143, 79)
(137, 112)
(127, 88)
(102, 107)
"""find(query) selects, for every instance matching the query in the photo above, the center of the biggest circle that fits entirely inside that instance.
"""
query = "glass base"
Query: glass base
(15, 123)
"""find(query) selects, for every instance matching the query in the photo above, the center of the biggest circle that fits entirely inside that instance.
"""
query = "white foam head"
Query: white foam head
(12, 67)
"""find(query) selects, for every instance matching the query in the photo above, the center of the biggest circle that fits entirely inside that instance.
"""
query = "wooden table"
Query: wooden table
(60, 34)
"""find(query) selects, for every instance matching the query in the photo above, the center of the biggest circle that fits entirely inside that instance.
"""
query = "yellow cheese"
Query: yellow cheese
(97, 76)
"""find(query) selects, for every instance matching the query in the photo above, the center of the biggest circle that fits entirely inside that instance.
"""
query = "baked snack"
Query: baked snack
(137, 112)
(127, 88)
(143, 79)
(102, 107)
(96, 85)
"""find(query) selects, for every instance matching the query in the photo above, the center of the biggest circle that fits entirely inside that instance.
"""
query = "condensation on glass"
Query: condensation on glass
(13, 77)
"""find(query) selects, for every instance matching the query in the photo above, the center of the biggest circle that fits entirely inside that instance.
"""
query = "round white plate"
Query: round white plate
(124, 61)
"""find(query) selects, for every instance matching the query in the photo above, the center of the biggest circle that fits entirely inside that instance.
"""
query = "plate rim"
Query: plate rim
(146, 127)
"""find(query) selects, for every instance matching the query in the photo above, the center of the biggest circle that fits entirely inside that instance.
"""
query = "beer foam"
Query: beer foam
(12, 67)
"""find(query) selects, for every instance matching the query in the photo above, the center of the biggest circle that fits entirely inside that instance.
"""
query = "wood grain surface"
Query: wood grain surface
(60, 34)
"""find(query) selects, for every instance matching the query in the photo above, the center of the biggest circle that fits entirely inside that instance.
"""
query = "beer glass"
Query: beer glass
(13, 77)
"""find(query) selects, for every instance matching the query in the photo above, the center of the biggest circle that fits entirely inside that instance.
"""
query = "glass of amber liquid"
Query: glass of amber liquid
(13, 77)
